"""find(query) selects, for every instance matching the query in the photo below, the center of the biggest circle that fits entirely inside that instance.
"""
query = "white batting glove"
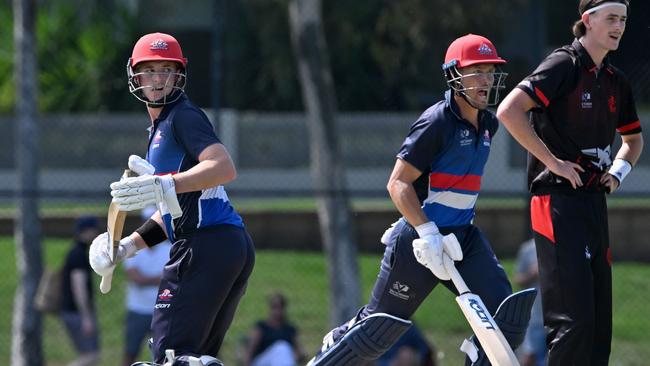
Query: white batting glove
(100, 253)
(451, 246)
(385, 238)
(135, 193)
(428, 249)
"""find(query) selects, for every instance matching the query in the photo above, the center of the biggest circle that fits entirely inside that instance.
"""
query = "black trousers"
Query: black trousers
(574, 257)
(201, 286)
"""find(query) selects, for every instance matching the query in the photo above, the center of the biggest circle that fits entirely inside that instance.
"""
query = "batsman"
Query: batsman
(435, 184)
(183, 173)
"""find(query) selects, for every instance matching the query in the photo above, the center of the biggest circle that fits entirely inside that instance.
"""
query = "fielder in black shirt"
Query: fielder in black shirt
(578, 101)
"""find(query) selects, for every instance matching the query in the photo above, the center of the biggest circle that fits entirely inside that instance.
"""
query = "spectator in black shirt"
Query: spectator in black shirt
(578, 102)
(274, 341)
(78, 307)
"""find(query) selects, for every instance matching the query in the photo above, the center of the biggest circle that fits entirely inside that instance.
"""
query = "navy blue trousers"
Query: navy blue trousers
(201, 286)
(403, 283)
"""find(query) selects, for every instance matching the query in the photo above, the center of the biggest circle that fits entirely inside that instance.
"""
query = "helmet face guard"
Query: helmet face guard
(466, 51)
(493, 83)
(173, 81)
(157, 47)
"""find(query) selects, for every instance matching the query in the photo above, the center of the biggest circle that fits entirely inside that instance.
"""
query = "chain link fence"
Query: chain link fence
(80, 154)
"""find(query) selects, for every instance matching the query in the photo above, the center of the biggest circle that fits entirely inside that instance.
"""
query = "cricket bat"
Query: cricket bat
(494, 344)
(115, 226)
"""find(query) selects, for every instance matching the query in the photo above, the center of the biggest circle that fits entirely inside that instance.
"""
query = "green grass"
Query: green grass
(302, 277)
(306, 204)
(293, 204)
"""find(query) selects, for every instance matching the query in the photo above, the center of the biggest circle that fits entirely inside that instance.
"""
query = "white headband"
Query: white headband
(603, 5)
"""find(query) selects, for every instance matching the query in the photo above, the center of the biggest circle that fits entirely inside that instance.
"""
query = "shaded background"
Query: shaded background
(385, 58)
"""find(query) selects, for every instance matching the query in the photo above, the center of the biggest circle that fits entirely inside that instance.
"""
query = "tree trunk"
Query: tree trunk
(326, 168)
(26, 348)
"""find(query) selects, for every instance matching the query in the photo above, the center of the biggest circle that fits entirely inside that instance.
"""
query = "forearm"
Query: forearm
(139, 279)
(406, 201)
(206, 174)
(516, 122)
(215, 167)
(631, 148)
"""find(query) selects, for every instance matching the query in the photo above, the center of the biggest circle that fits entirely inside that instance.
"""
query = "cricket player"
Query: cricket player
(576, 101)
(185, 168)
(434, 184)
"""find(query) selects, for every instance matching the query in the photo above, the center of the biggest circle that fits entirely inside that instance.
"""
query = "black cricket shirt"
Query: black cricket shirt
(579, 109)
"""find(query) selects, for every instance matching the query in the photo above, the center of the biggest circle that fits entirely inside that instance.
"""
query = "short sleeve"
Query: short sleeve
(423, 143)
(553, 78)
(193, 131)
(628, 123)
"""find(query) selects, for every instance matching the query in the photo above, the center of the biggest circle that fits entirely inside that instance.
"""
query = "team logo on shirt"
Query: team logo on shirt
(611, 103)
(601, 158)
(465, 137)
(586, 100)
(156, 139)
(486, 138)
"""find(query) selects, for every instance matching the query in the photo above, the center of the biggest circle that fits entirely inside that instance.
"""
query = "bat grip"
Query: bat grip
(456, 278)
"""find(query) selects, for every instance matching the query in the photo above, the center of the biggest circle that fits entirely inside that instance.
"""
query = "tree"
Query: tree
(26, 349)
(326, 168)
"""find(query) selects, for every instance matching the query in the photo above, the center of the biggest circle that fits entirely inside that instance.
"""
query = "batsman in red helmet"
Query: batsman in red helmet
(577, 101)
(435, 184)
(183, 174)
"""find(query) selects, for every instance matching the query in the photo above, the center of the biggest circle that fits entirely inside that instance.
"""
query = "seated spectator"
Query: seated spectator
(273, 342)
(412, 349)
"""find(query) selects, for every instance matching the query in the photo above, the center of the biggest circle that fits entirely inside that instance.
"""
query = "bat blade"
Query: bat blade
(496, 347)
(492, 340)
(115, 226)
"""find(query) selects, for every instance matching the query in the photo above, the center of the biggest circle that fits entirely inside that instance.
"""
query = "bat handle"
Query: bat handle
(105, 285)
(456, 278)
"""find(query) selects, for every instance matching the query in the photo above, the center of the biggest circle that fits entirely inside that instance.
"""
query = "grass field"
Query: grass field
(301, 276)
(289, 204)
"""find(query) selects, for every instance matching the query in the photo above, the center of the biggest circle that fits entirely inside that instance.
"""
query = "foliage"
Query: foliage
(384, 54)
(81, 54)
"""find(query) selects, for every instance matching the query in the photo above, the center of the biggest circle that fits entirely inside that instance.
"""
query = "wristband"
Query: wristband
(620, 169)
(151, 233)
(428, 228)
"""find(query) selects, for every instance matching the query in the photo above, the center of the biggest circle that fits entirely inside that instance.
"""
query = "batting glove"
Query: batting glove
(428, 249)
(140, 166)
(100, 253)
(138, 192)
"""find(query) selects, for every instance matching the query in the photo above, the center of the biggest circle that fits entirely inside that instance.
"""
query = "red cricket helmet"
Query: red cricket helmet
(471, 49)
(157, 47)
